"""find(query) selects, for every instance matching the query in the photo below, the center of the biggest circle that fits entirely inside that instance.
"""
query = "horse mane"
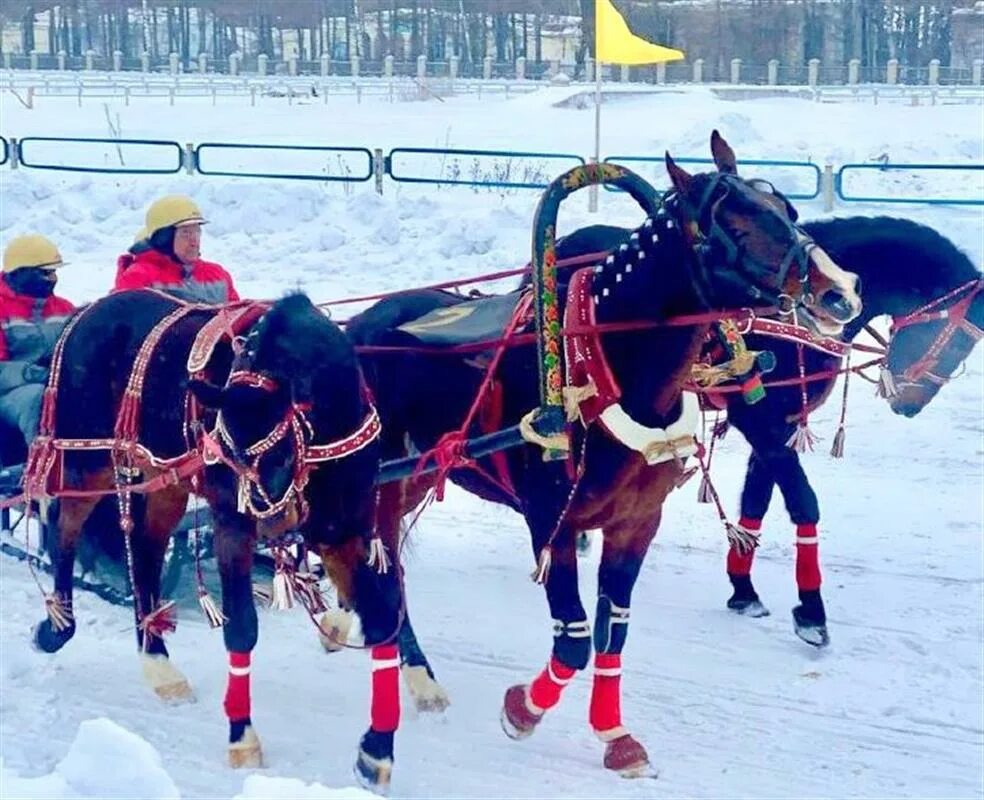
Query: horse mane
(897, 243)
(296, 339)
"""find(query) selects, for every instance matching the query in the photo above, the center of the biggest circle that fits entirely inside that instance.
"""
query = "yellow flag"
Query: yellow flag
(616, 44)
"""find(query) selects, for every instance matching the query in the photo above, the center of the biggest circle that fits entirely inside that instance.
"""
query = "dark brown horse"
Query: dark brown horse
(715, 245)
(291, 440)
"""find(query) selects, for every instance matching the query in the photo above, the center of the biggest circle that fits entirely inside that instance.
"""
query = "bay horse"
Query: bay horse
(715, 244)
(279, 435)
(908, 272)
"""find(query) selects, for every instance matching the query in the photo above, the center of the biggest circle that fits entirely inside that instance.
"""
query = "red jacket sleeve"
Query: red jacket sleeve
(233, 294)
(134, 277)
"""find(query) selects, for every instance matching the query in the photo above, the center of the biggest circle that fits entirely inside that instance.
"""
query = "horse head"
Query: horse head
(267, 415)
(750, 251)
(928, 345)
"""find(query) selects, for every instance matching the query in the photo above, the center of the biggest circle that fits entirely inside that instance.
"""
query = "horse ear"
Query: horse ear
(208, 394)
(680, 178)
(724, 156)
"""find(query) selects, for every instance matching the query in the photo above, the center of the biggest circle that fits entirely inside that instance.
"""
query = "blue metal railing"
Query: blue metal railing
(170, 166)
(884, 170)
(320, 171)
(792, 192)
(498, 174)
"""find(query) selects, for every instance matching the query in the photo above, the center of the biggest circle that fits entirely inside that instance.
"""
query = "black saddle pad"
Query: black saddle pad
(478, 320)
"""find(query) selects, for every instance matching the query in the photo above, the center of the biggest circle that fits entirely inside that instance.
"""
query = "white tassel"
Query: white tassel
(58, 612)
(213, 614)
(378, 557)
(543, 566)
(837, 448)
(283, 592)
(803, 439)
(263, 593)
(741, 539)
(886, 383)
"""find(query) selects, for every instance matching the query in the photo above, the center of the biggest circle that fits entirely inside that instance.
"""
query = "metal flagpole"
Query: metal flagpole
(593, 194)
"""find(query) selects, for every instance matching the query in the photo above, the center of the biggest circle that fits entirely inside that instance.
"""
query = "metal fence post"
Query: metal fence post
(378, 168)
(827, 187)
(189, 158)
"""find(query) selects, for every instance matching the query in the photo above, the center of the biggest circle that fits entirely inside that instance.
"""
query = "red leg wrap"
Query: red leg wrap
(606, 692)
(741, 563)
(807, 558)
(547, 686)
(384, 707)
(237, 705)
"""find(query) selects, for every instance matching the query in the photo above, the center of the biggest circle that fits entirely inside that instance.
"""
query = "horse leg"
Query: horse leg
(622, 554)
(427, 693)
(234, 538)
(70, 514)
(376, 597)
(809, 617)
(755, 497)
(525, 704)
(161, 513)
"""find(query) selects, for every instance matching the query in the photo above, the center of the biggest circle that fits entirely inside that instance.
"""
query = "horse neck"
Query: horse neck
(902, 265)
(650, 365)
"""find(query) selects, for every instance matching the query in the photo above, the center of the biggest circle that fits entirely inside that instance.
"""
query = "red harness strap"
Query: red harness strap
(587, 368)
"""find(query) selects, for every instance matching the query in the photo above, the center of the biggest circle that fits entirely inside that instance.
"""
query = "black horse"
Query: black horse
(716, 244)
(902, 266)
(291, 439)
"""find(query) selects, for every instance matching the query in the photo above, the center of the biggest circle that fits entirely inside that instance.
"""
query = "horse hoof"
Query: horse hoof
(165, 679)
(811, 631)
(373, 773)
(517, 718)
(428, 694)
(334, 628)
(247, 752)
(46, 639)
(628, 758)
(746, 607)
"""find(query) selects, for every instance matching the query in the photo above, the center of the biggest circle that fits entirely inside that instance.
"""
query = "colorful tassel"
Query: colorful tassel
(741, 539)
(159, 622)
(837, 448)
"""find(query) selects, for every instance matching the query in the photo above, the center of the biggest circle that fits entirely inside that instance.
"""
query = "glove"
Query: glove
(35, 373)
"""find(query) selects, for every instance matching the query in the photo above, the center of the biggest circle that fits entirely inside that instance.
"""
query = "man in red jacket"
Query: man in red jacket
(172, 263)
(31, 318)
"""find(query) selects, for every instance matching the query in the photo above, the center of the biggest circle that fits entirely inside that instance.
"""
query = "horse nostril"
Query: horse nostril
(837, 305)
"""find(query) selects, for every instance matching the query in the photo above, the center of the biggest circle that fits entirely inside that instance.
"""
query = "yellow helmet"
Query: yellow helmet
(172, 210)
(32, 250)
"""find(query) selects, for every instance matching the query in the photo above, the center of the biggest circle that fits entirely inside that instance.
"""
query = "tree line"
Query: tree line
(913, 31)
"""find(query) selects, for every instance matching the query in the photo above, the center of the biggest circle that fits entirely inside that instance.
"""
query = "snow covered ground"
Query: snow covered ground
(728, 707)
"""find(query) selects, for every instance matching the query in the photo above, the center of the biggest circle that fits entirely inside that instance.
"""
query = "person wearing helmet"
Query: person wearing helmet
(172, 262)
(140, 245)
(31, 318)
